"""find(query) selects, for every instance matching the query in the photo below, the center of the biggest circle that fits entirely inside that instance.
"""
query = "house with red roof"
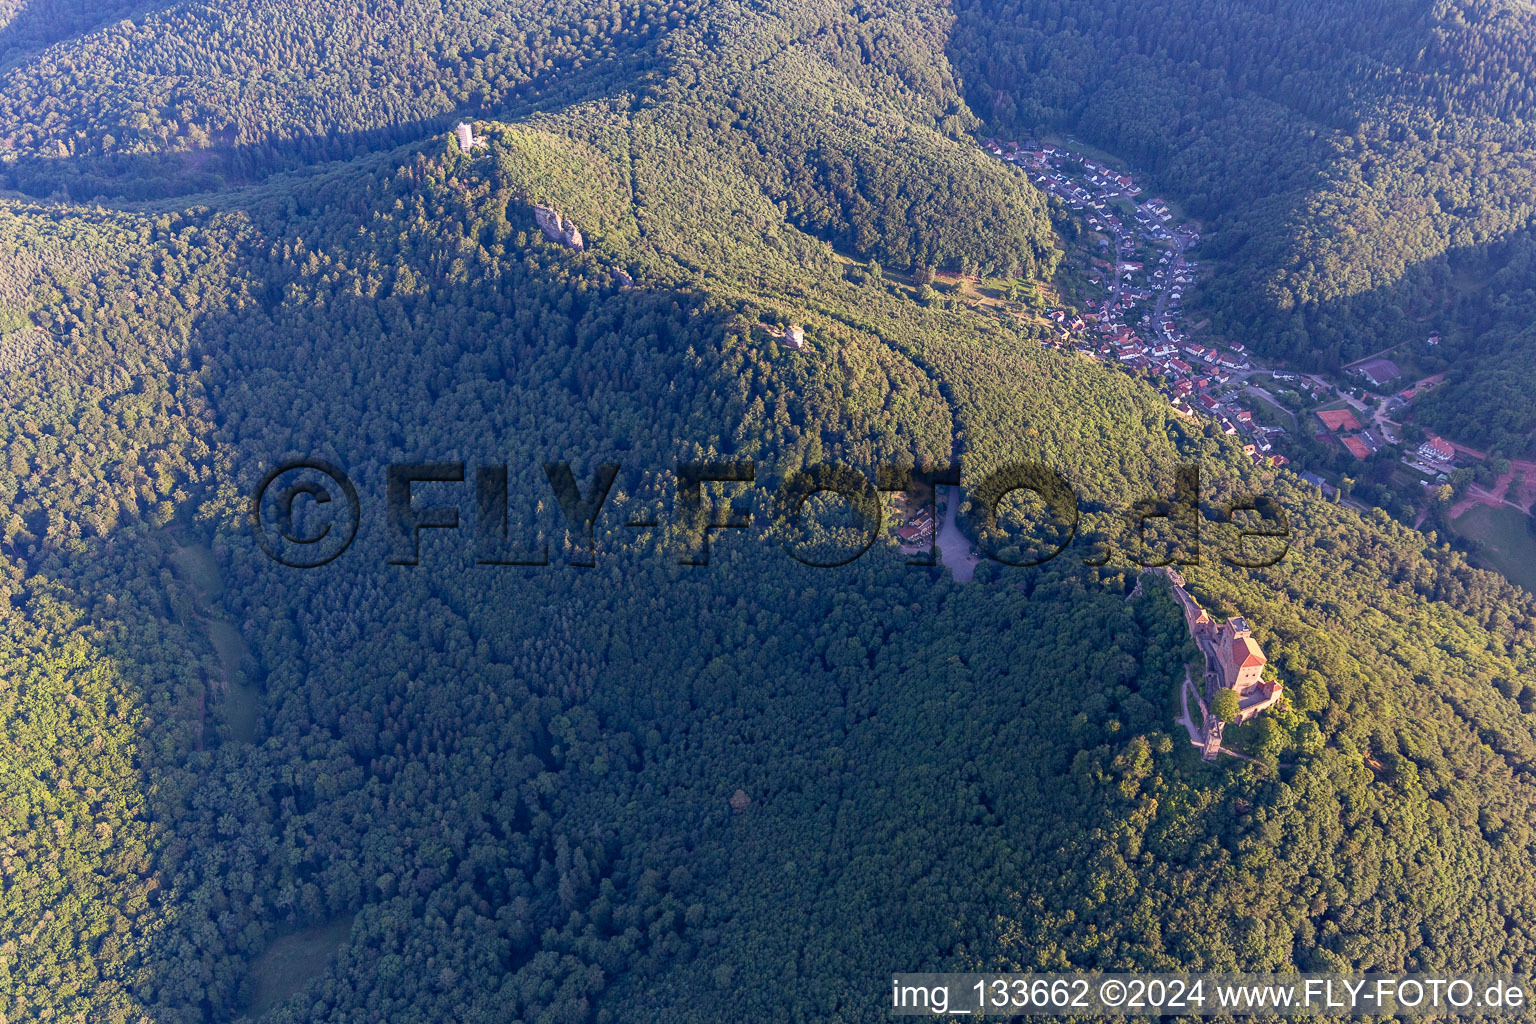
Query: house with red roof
(1240, 667)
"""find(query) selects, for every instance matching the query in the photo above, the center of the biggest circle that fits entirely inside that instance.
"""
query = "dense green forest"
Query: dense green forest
(1366, 169)
(648, 791)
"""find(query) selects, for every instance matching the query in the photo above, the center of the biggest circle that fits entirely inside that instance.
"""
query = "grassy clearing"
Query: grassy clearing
(239, 703)
(197, 567)
(240, 707)
(292, 962)
(1503, 541)
(1268, 413)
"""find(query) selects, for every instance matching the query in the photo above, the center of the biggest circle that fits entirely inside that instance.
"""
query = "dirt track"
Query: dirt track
(1499, 496)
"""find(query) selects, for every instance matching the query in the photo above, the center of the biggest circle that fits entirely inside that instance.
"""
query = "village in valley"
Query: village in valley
(1144, 274)
(1132, 275)
(1134, 271)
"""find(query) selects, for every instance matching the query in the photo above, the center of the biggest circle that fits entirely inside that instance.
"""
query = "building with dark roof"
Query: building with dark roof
(1378, 371)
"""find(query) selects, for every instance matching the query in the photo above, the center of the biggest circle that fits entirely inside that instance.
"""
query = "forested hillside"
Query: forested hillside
(196, 96)
(643, 790)
(1367, 168)
(27, 26)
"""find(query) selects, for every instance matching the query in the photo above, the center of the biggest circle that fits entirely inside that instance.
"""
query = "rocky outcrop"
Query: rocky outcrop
(557, 228)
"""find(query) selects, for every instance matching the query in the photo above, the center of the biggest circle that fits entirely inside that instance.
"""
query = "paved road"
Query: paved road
(1385, 425)
(954, 548)
(1159, 311)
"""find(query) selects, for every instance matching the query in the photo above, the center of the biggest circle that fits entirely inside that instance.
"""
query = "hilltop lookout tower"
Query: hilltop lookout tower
(466, 137)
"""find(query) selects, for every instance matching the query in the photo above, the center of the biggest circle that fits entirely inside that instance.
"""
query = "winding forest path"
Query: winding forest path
(1194, 731)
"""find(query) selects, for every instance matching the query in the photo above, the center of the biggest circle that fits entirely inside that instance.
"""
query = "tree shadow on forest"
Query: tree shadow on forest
(1474, 300)
(39, 25)
(148, 177)
(265, 806)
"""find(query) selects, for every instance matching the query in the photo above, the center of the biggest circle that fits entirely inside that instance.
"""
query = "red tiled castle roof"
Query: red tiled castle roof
(1246, 653)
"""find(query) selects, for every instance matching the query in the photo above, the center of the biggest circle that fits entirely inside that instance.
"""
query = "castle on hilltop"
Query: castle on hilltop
(1233, 659)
